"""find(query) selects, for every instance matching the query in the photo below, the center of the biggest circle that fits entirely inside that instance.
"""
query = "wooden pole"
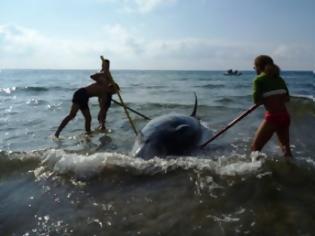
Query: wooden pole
(122, 103)
(132, 110)
(233, 122)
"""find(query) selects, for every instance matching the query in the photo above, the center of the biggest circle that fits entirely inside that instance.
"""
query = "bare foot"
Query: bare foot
(101, 127)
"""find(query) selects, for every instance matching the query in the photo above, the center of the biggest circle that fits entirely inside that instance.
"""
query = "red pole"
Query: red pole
(233, 122)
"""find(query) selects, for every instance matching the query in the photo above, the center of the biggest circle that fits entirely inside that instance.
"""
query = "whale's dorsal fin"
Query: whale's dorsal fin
(195, 106)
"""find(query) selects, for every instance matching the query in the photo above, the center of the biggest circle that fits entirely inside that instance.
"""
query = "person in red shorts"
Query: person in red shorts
(271, 91)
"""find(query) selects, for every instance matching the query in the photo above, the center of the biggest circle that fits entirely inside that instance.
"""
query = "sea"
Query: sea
(92, 185)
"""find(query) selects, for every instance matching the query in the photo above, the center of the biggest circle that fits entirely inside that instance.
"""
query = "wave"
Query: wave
(156, 87)
(35, 89)
(296, 98)
(58, 162)
(86, 167)
(210, 86)
(201, 79)
(301, 104)
(225, 100)
(172, 106)
(36, 102)
(209, 173)
(7, 90)
(303, 98)
(305, 85)
(11, 162)
(32, 89)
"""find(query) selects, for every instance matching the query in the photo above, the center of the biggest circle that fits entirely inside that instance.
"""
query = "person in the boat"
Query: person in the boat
(102, 88)
(271, 91)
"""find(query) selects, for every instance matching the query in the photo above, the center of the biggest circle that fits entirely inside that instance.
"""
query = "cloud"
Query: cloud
(292, 54)
(16, 39)
(139, 6)
(121, 41)
(145, 6)
(22, 47)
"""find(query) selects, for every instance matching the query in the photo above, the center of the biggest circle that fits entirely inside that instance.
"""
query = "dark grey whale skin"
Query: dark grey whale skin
(170, 134)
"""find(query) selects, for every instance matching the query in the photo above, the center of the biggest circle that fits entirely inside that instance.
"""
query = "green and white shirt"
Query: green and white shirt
(264, 87)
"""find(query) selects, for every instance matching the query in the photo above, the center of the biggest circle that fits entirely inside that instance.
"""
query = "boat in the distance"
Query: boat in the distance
(231, 72)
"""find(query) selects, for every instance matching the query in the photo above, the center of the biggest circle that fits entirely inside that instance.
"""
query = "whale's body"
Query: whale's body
(171, 134)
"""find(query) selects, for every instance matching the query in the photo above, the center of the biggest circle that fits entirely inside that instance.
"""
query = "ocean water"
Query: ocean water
(92, 186)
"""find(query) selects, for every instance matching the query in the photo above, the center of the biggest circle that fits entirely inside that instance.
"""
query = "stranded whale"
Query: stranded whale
(171, 134)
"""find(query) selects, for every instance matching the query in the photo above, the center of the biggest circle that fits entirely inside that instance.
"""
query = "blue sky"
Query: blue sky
(156, 34)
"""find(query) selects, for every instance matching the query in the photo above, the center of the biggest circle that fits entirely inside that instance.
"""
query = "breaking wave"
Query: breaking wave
(85, 167)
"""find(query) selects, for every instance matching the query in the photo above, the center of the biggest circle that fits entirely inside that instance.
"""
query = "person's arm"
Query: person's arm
(99, 77)
(113, 88)
(257, 92)
(111, 85)
(104, 65)
(286, 89)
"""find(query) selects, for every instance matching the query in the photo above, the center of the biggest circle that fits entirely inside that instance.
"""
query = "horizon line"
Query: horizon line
(201, 70)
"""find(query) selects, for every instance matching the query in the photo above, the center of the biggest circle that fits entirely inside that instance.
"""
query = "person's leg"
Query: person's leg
(284, 140)
(70, 116)
(87, 116)
(103, 112)
(101, 119)
(263, 134)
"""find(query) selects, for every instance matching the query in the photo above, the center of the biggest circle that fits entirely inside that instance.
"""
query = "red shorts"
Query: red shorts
(278, 119)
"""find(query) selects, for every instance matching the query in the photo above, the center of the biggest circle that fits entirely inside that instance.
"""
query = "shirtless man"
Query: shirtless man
(102, 88)
(105, 101)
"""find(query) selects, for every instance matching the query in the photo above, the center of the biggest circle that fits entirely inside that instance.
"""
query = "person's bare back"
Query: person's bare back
(102, 87)
(97, 90)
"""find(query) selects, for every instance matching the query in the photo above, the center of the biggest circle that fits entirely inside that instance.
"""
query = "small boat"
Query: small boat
(232, 73)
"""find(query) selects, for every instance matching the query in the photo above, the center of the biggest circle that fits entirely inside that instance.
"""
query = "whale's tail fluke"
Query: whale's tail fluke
(195, 106)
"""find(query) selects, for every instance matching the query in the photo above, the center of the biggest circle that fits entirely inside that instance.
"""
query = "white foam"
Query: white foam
(240, 168)
(306, 97)
(86, 166)
(224, 218)
(308, 160)
(7, 90)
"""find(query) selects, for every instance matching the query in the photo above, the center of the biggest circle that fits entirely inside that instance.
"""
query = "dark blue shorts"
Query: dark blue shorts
(81, 98)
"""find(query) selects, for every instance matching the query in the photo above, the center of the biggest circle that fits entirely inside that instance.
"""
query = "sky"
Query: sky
(156, 34)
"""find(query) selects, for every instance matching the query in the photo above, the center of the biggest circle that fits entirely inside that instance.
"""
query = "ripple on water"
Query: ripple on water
(35, 102)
